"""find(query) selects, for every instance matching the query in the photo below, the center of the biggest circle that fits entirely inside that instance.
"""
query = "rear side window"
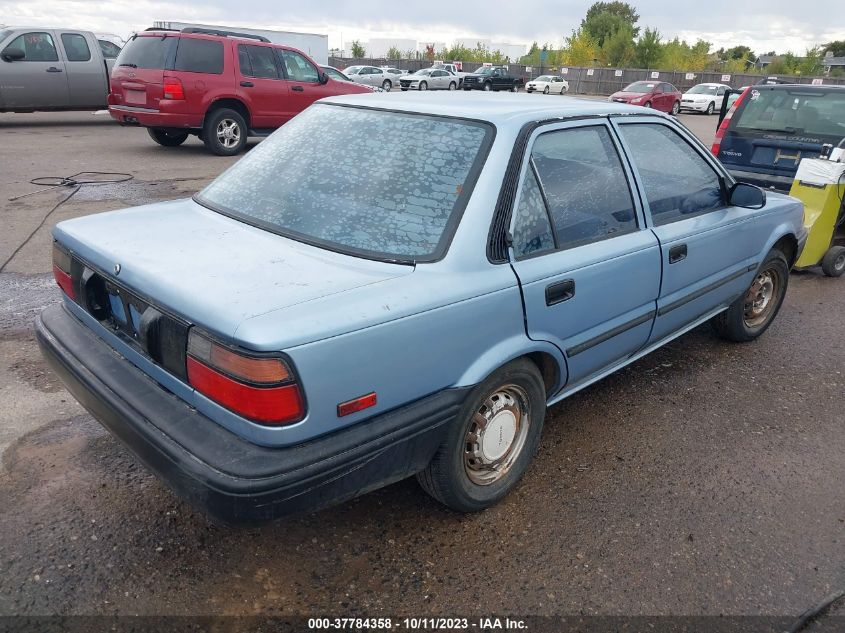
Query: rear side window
(678, 182)
(146, 52)
(110, 50)
(585, 185)
(37, 47)
(257, 61)
(76, 48)
(199, 56)
(793, 112)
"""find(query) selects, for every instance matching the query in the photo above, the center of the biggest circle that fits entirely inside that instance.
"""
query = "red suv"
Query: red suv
(219, 85)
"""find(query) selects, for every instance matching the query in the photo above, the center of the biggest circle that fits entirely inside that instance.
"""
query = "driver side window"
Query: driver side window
(298, 68)
(37, 47)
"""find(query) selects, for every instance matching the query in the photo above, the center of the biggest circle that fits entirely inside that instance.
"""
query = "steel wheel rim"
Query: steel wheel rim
(496, 435)
(386, 86)
(761, 298)
(228, 133)
(839, 262)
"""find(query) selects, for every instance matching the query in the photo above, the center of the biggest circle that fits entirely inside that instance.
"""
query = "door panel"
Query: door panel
(260, 80)
(303, 80)
(86, 75)
(39, 80)
(589, 270)
(685, 202)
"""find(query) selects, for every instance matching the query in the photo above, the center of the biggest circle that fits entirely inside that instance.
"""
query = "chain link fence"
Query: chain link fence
(599, 81)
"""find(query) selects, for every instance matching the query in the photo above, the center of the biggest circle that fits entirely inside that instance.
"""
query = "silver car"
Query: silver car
(371, 76)
(430, 79)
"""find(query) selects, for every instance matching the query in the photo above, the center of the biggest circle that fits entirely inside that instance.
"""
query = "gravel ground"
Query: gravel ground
(706, 479)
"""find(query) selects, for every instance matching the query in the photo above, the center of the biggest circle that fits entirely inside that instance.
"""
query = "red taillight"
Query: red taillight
(723, 127)
(259, 388)
(173, 88)
(62, 272)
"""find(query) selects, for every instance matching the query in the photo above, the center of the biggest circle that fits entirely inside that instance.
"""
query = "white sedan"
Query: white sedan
(429, 79)
(548, 84)
(706, 98)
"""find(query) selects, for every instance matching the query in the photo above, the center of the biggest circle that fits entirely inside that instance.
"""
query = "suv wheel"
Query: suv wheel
(167, 137)
(224, 132)
(491, 441)
(488, 86)
(752, 313)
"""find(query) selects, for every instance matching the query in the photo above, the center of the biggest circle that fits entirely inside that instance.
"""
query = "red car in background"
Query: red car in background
(650, 94)
(218, 85)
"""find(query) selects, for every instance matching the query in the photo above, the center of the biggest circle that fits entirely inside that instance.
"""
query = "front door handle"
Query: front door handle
(560, 291)
(298, 89)
(247, 84)
(53, 69)
(677, 253)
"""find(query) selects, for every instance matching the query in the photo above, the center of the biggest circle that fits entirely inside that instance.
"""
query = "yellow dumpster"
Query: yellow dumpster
(820, 185)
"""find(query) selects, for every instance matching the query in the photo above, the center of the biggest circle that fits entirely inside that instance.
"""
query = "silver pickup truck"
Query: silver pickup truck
(54, 69)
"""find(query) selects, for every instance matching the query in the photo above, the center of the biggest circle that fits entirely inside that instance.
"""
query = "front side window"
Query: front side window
(385, 185)
(298, 68)
(585, 185)
(199, 56)
(679, 183)
(76, 48)
(37, 47)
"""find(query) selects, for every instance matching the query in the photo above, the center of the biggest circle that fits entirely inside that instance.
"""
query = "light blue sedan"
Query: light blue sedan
(386, 288)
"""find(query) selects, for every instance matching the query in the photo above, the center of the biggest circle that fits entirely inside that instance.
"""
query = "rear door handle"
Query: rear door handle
(677, 253)
(560, 291)
(298, 89)
(247, 84)
(53, 69)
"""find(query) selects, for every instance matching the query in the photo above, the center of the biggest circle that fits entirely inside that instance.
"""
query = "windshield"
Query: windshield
(424, 71)
(701, 89)
(548, 78)
(353, 70)
(486, 70)
(378, 184)
(815, 113)
(640, 87)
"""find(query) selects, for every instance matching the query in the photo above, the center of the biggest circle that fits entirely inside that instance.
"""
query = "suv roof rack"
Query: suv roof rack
(222, 33)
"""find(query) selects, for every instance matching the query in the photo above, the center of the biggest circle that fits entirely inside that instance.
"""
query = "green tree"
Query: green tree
(811, 63)
(618, 48)
(736, 52)
(394, 53)
(602, 25)
(836, 47)
(648, 50)
(357, 49)
(580, 49)
(624, 11)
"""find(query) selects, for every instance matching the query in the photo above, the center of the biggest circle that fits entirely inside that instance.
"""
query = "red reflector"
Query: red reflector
(173, 88)
(269, 405)
(65, 282)
(358, 404)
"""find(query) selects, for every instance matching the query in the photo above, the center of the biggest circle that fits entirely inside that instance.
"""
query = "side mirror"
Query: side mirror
(324, 78)
(747, 196)
(14, 54)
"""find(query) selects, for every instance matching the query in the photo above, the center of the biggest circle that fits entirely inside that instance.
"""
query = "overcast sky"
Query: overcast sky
(764, 25)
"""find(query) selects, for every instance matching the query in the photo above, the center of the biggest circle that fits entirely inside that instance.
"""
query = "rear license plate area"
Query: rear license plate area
(137, 97)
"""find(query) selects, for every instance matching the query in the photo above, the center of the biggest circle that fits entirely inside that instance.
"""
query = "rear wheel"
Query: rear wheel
(491, 442)
(386, 85)
(752, 313)
(167, 137)
(224, 132)
(676, 108)
(515, 87)
(710, 108)
(453, 86)
(833, 262)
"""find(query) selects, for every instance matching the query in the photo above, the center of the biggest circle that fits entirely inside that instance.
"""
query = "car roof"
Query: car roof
(504, 109)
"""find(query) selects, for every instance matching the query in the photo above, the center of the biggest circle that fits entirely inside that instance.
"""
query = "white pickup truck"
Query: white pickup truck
(455, 69)
(54, 69)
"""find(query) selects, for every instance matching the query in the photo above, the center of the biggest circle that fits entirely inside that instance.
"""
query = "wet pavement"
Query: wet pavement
(706, 478)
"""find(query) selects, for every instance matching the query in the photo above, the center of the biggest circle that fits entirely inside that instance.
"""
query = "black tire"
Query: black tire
(386, 85)
(423, 85)
(647, 104)
(167, 137)
(488, 86)
(833, 262)
(453, 86)
(211, 130)
(546, 90)
(676, 108)
(739, 323)
(449, 477)
(711, 107)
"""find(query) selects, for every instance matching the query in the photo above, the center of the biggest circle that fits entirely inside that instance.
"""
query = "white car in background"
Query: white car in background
(371, 76)
(706, 98)
(429, 79)
(548, 84)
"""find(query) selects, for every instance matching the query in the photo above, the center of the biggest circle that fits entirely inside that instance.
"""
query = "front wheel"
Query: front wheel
(515, 87)
(491, 442)
(752, 313)
(546, 90)
(386, 85)
(647, 104)
(488, 87)
(711, 107)
(676, 108)
(833, 262)
(224, 132)
(423, 85)
(166, 137)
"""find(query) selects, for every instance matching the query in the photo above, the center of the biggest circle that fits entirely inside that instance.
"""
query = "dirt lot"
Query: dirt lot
(705, 479)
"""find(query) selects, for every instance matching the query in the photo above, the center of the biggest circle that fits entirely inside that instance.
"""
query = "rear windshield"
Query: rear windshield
(701, 89)
(639, 86)
(378, 184)
(793, 112)
(199, 56)
(146, 52)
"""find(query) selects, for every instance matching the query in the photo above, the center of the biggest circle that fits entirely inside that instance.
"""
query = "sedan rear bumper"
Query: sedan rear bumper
(230, 478)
